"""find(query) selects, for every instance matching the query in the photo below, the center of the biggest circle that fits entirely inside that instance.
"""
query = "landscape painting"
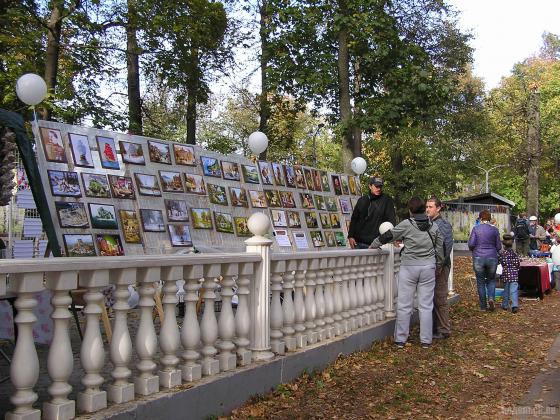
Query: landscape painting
(71, 215)
(64, 183)
(194, 184)
(132, 153)
(53, 145)
(159, 152)
(217, 194)
(79, 245)
(184, 155)
(103, 216)
(230, 171)
(241, 228)
(211, 167)
(176, 211)
(130, 227)
(340, 239)
(258, 199)
(96, 185)
(81, 152)
(201, 218)
(107, 152)
(238, 197)
(109, 245)
(250, 174)
(152, 220)
(147, 184)
(171, 181)
(224, 222)
(122, 187)
(180, 235)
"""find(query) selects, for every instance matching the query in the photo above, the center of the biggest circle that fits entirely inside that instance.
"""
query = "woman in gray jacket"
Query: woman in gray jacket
(421, 257)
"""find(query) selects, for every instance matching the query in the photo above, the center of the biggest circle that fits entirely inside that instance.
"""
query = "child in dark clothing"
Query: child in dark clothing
(510, 266)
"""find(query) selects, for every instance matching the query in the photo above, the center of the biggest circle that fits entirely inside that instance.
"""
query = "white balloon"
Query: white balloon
(358, 165)
(557, 218)
(385, 227)
(258, 142)
(556, 255)
(31, 89)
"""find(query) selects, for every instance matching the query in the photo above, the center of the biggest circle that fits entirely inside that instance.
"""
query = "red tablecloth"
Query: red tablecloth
(534, 277)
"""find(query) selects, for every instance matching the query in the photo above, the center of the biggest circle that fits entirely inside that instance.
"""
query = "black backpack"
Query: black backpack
(521, 229)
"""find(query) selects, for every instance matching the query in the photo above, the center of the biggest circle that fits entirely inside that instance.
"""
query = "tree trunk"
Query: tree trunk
(264, 106)
(533, 153)
(399, 186)
(357, 140)
(192, 93)
(133, 72)
(54, 32)
(344, 93)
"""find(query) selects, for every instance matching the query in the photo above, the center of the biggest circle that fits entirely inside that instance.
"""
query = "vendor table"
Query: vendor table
(534, 278)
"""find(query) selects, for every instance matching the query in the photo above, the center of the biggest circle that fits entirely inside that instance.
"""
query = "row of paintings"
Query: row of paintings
(291, 219)
(132, 153)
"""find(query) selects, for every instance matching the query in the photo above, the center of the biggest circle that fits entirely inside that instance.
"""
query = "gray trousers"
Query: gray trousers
(420, 279)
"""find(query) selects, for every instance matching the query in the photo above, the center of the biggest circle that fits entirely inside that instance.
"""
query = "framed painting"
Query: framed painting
(171, 182)
(71, 215)
(109, 245)
(345, 205)
(122, 187)
(211, 166)
(335, 221)
(330, 239)
(79, 245)
(103, 216)
(64, 183)
(266, 172)
(287, 198)
(53, 145)
(96, 185)
(217, 194)
(307, 201)
(159, 152)
(184, 154)
(147, 185)
(279, 218)
(241, 228)
(331, 203)
(201, 218)
(294, 220)
(152, 220)
(325, 181)
(250, 174)
(224, 222)
(300, 177)
(130, 227)
(320, 202)
(290, 174)
(132, 153)
(344, 185)
(311, 220)
(238, 197)
(336, 184)
(179, 235)
(194, 184)
(107, 152)
(273, 198)
(340, 239)
(325, 220)
(176, 210)
(352, 185)
(258, 199)
(81, 152)
(317, 238)
(230, 171)
(317, 182)
(278, 174)
(309, 178)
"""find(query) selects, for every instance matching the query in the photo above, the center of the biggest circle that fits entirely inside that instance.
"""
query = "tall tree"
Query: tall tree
(133, 69)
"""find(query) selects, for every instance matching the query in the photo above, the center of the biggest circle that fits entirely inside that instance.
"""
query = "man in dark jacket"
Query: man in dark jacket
(521, 231)
(369, 212)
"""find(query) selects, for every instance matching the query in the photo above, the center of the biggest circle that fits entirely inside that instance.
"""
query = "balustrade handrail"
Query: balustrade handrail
(309, 255)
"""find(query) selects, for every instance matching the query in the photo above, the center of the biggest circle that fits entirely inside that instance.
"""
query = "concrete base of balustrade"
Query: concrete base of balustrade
(147, 385)
(191, 373)
(278, 348)
(63, 411)
(120, 393)
(88, 402)
(227, 362)
(169, 379)
(244, 357)
(291, 343)
(301, 341)
(28, 415)
(210, 367)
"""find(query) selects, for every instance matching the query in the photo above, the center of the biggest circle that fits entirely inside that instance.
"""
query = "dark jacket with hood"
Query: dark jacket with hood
(423, 242)
(369, 212)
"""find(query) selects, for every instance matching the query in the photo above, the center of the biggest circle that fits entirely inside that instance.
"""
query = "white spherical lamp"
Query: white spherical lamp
(385, 227)
(258, 224)
(358, 165)
(31, 89)
(258, 142)
(556, 255)
(557, 218)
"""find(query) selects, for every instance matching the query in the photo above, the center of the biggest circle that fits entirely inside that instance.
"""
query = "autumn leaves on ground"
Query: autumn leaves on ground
(482, 371)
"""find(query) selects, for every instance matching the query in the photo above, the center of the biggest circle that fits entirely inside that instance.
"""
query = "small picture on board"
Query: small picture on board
(352, 185)
(320, 202)
(266, 172)
(96, 185)
(335, 221)
(309, 178)
(317, 183)
(159, 152)
(79, 245)
(103, 216)
(279, 218)
(258, 199)
(122, 187)
(130, 227)
(273, 198)
(81, 152)
(325, 220)
(307, 201)
(300, 178)
(107, 152)
(241, 228)
(180, 235)
(238, 197)
(293, 219)
(64, 183)
(147, 185)
(201, 218)
(211, 167)
(224, 222)
(340, 239)
(194, 184)
(278, 174)
(53, 145)
(132, 153)
(317, 238)
(325, 181)
(109, 245)
(287, 198)
(311, 220)
(344, 185)
(345, 205)
(330, 239)
(250, 174)
(230, 171)
(171, 182)
(71, 215)
(176, 211)
(290, 176)
(336, 184)
(152, 220)
(217, 194)
(331, 203)
(184, 155)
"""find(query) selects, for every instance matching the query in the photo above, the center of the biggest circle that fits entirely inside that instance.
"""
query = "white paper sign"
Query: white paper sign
(282, 238)
(300, 239)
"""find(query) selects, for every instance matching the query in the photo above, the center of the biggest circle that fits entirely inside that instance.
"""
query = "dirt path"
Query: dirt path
(481, 372)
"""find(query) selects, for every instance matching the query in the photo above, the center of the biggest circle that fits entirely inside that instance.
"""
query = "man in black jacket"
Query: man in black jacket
(370, 211)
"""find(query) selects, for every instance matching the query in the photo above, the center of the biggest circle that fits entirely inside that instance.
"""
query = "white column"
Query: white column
(365, 271)
(360, 300)
(288, 312)
(226, 321)
(347, 322)
(169, 376)
(339, 322)
(24, 370)
(92, 354)
(310, 306)
(276, 317)
(60, 360)
(299, 304)
(380, 312)
(242, 319)
(389, 280)
(209, 323)
(450, 290)
(121, 390)
(190, 332)
(351, 281)
(328, 264)
(375, 272)
(320, 300)
(146, 339)
(259, 224)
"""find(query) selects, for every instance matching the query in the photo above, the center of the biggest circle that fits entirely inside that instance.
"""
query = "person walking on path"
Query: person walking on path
(485, 244)
(369, 212)
(521, 231)
(421, 259)
(442, 324)
(510, 274)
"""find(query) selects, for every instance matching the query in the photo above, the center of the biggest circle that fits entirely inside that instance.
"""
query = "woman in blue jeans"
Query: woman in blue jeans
(485, 244)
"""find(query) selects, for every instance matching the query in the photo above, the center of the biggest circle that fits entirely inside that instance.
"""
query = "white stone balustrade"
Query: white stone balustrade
(277, 343)
(226, 321)
(169, 375)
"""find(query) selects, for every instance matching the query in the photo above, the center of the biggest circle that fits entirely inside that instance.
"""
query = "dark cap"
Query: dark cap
(507, 237)
(378, 182)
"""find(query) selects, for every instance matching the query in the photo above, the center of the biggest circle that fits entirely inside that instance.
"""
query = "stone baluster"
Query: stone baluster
(169, 338)
(226, 321)
(365, 270)
(389, 279)
(24, 369)
(121, 390)
(276, 316)
(351, 281)
(345, 297)
(360, 301)
(60, 361)
(339, 321)
(146, 339)
(288, 311)
(301, 333)
(242, 319)
(209, 324)
(320, 300)
(92, 353)
(450, 290)
(310, 305)
(376, 267)
(190, 332)
(380, 290)
(328, 264)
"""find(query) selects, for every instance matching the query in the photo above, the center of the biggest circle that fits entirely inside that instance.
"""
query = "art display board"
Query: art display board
(112, 193)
